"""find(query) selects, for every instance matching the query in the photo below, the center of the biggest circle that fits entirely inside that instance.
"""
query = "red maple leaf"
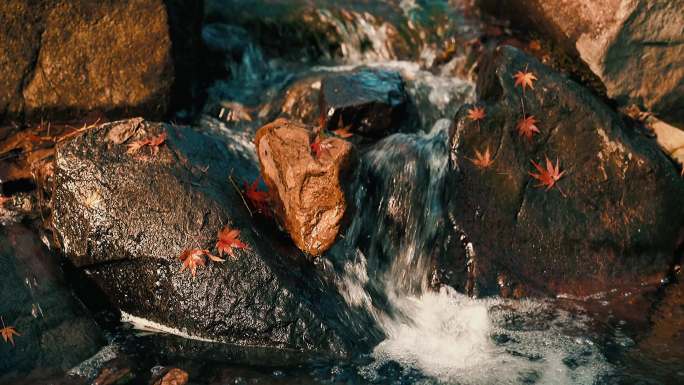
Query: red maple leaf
(228, 240)
(153, 142)
(258, 199)
(343, 132)
(547, 176)
(320, 146)
(8, 332)
(524, 79)
(482, 160)
(194, 258)
(527, 127)
(476, 113)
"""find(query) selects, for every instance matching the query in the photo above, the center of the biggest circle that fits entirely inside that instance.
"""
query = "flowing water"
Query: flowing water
(433, 335)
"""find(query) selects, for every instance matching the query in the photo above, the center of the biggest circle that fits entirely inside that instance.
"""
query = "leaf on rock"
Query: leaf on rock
(319, 146)
(153, 142)
(548, 176)
(257, 199)
(527, 127)
(343, 132)
(476, 113)
(194, 258)
(524, 79)
(228, 240)
(482, 160)
(8, 333)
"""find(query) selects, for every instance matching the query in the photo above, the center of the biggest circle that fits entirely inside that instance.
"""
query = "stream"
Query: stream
(381, 264)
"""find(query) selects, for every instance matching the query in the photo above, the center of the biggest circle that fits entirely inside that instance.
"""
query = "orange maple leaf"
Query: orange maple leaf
(524, 79)
(258, 199)
(527, 127)
(476, 113)
(194, 258)
(482, 160)
(547, 176)
(228, 240)
(343, 132)
(3, 200)
(153, 142)
(8, 333)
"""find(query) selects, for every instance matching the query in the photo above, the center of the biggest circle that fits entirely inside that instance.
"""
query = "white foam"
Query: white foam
(449, 336)
(143, 324)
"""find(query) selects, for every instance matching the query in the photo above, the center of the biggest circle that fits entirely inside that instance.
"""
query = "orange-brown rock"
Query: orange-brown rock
(174, 376)
(305, 187)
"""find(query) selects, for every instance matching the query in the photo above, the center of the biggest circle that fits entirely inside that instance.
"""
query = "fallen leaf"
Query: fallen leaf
(4, 200)
(194, 258)
(482, 160)
(258, 199)
(535, 45)
(476, 113)
(343, 132)
(527, 127)
(174, 376)
(153, 142)
(547, 176)
(8, 333)
(524, 79)
(228, 240)
(319, 146)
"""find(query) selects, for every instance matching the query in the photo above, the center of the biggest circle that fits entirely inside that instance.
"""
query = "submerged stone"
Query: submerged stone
(126, 218)
(614, 219)
(305, 183)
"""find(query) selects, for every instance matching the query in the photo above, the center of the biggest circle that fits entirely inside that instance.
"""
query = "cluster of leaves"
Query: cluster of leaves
(527, 128)
(320, 145)
(8, 332)
(228, 240)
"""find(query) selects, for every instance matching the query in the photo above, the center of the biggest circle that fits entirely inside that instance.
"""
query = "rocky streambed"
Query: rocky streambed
(372, 192)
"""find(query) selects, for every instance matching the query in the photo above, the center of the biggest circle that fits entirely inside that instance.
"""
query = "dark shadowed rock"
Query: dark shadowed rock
(63, 59)
(370, 102)
(305, 187)
(126, 219)
(614, 218)
(634, 47)
(56, 332)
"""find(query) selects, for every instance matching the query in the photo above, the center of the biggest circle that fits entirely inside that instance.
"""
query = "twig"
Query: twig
(230, 177)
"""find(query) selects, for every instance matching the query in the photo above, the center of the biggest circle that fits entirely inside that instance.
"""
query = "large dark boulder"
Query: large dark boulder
(63, 59)
(56, 331)
(634, 47)
(613, 220)
(125, 219)
(369, 102)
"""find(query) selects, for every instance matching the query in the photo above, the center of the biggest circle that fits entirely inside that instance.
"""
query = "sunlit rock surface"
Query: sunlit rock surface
(305, 186)
(125, 219)
(612, 221)
(633, 46)
(55, 330)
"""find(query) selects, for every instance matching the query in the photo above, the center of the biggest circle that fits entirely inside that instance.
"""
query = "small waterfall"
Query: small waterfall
(387, 261)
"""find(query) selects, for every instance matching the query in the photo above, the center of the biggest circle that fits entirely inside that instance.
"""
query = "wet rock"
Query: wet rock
(370, 102)
(125, 219)
(55, 330)
(613, 219)
(300, 102)
(63, 59)
(632, 46)
(305, 186)
(174, 376)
